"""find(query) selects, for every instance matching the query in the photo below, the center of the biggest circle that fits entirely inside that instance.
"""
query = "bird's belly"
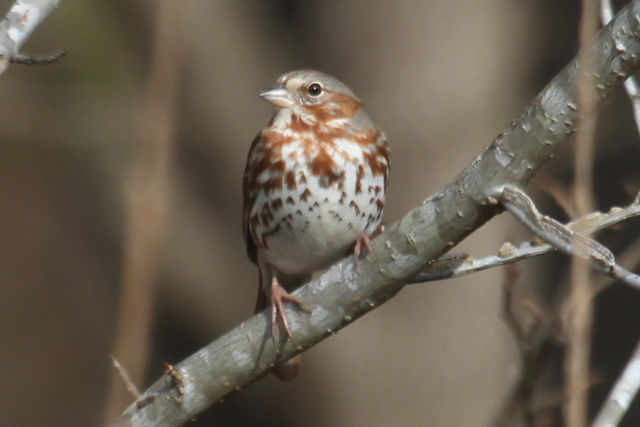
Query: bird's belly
(315, 228)
(313, 239)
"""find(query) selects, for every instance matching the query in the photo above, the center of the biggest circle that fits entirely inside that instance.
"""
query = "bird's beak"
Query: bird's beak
(279, 97)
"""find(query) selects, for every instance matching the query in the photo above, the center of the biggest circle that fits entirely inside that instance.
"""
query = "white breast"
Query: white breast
(317, 223)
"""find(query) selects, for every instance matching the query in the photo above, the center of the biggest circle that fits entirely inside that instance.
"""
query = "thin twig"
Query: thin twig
(126, 378)
(628, 257)
(38, 60)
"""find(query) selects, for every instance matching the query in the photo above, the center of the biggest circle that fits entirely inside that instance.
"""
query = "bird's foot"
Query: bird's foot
(363, 243)
(278, 297)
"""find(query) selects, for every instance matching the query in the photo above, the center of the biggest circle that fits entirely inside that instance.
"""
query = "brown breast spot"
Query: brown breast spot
(290, 178)
(305, 195)
(324, 167)
(359, 177)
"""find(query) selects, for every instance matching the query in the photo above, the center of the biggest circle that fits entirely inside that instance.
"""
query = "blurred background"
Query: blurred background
(442, 77)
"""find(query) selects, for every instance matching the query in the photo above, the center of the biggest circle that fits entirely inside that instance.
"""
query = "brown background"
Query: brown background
(441, 77)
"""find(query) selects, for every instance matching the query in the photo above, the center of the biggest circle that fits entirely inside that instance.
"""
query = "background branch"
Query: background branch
(622, 394)
(343, 294)
(580, 322)
(148, 191)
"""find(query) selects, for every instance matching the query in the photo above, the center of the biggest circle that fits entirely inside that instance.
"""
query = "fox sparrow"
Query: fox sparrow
(313, 187)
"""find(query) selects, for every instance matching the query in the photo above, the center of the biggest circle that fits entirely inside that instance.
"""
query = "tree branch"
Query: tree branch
(343, 294)
(631, 84)
(21, 20)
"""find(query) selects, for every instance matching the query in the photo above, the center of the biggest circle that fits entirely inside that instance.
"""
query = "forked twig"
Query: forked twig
(563, 238)
(457, 265)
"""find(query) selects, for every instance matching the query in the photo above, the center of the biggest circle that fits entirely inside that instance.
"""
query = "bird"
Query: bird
(314, 188)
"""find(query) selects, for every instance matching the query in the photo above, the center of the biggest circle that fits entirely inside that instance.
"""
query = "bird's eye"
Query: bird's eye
(314, 89)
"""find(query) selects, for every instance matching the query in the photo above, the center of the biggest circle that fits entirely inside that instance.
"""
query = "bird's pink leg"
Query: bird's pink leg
(364, 242)
(278, 296)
